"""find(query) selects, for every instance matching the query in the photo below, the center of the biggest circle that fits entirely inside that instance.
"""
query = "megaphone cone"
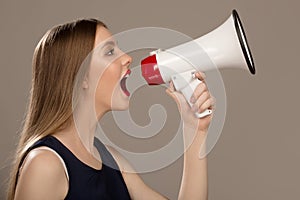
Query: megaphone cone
(224, 47)
(227, 45)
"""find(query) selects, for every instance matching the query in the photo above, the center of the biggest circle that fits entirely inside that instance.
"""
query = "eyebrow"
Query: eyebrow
(110, 42)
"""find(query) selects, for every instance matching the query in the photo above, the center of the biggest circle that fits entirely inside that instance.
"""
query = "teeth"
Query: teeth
(126, 76)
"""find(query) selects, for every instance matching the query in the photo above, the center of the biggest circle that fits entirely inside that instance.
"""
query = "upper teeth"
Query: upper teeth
(126, 76)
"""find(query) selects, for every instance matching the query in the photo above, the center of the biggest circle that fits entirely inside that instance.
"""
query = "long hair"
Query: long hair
(56, 62)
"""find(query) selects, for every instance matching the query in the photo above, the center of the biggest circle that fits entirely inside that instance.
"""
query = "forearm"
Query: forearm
(194, 179)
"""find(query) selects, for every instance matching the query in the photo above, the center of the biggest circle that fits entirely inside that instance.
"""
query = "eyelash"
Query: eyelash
(110, 53)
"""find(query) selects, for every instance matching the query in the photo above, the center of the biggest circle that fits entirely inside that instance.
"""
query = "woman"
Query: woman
(58, 155)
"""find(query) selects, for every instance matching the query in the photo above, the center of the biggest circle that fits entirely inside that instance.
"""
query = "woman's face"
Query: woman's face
(106, 79)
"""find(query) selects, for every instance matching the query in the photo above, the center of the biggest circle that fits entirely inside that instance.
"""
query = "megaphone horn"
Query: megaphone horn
(224, 47)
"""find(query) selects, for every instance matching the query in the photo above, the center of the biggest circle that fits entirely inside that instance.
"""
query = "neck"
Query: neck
(85, 120)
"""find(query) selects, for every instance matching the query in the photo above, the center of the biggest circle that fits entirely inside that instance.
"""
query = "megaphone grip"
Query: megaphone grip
(203, 114)
(186, 84)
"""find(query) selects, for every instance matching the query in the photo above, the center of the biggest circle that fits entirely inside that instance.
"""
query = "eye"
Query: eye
(110, 52)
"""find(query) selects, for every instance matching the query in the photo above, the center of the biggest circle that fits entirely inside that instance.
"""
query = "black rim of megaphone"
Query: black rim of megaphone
(244, 42)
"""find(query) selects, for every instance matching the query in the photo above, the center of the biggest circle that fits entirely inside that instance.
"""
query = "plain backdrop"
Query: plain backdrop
(257, 155)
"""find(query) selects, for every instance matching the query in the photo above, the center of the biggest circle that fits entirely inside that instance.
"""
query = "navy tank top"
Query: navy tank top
(85, 182)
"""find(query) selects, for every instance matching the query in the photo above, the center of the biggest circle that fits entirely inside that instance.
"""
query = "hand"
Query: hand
(202, 100)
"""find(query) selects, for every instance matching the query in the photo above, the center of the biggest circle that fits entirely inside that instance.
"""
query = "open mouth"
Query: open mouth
(123, 83)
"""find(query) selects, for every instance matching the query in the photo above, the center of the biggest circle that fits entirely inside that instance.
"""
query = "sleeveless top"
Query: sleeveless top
(85, 182)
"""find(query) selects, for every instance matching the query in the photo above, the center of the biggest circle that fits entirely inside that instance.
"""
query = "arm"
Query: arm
(42, 176)
(194, 178)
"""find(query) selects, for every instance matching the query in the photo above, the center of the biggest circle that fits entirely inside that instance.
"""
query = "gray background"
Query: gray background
(257, 155)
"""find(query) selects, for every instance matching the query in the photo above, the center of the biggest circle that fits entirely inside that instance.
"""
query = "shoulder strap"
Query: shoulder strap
(59, 157)
(41, 145)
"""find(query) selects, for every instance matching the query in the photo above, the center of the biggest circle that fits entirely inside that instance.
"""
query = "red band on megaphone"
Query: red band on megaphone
(150, 71)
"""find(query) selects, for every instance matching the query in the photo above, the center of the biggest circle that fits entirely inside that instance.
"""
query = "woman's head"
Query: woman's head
(104, 82)
(56, 63)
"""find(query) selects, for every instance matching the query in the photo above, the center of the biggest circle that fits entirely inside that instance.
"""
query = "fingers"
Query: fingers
(204, 102)
(200, 89)
(200, 75)
(208, 104)
(201, 97)
(201, 100)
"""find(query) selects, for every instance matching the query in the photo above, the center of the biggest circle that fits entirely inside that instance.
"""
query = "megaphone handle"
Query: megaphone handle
(187, 93)
(190, 83)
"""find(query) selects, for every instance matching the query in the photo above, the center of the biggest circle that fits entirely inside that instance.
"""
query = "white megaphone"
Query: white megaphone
(224, 47)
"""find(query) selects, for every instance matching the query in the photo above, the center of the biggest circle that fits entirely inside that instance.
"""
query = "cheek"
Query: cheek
(108, 82)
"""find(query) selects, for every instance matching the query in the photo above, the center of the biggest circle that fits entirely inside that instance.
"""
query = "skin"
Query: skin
(43, 176)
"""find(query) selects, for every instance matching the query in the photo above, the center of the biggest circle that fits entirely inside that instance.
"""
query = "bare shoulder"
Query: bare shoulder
(42, 176)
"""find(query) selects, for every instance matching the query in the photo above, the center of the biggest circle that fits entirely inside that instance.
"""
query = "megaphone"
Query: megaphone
(224, 47)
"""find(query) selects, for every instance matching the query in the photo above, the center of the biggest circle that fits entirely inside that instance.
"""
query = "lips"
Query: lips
(123, 83)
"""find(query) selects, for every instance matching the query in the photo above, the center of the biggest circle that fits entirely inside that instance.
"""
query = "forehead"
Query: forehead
(102, 35)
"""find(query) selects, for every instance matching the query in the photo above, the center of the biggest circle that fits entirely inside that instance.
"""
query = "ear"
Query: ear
(85, 84)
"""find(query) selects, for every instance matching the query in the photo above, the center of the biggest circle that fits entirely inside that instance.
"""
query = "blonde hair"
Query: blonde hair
(56, 62)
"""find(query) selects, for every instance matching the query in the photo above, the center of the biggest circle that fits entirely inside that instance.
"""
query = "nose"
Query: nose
(126, 60)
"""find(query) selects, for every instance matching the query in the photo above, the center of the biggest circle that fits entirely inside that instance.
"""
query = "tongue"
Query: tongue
(123, 86)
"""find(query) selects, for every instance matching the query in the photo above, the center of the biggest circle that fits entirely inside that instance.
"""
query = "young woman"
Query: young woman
(58, 155)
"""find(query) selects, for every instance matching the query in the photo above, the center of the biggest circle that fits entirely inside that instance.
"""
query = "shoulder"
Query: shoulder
(41, 159)
(42, 176)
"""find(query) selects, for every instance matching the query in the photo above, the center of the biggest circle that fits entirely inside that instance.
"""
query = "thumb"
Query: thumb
(178, 97)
